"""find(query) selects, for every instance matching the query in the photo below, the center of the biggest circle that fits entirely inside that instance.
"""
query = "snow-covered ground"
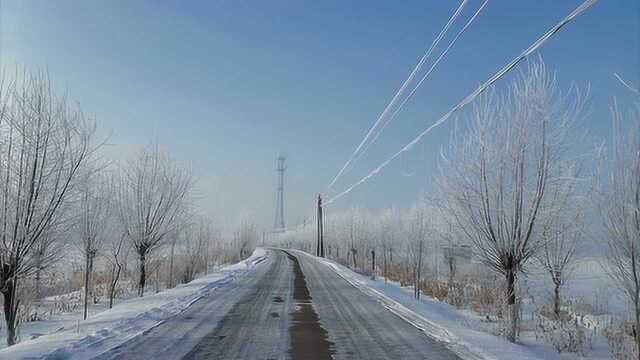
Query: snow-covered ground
(464, 331)
(109, 328)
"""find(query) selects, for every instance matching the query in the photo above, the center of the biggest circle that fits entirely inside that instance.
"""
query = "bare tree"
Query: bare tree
(451, 244)
(619, 205)
(94, 219)
(246, 237)
(117, 257)
(45, 144)
(191, 241)
(212, 246)
(152, 198)
(558, 258)
(172, 253)
(499, 179)
(356, 225)
(389, 223)
(47, 252)
(417, 234)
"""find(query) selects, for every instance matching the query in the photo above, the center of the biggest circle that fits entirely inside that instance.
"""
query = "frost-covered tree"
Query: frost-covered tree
(505, 177)
(417, 237)
(356, 234)
(116, 255)
(558, 258)
(93, 222)
(619, 205)
(153, 195)
(246, 237)
(45, 144)
(390, 224)
(193, 240)
(47, 252)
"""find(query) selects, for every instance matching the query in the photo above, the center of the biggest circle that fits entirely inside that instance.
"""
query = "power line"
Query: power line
(416, 69)
(426, 75)
(625, 84)
(469, 98)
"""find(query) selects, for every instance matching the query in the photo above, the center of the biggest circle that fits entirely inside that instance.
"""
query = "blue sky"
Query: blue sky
(227, 85)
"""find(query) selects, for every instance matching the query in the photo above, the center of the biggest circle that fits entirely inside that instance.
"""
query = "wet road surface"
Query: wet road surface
(292, 307)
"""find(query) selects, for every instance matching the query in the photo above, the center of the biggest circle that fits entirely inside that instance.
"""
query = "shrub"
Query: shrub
(565, 334)
(435, 289)
(621, 342)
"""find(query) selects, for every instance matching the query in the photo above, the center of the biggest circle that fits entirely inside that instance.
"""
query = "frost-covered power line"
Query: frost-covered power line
(625, 84)
(469, 98)
(424, 77)
(361, 147)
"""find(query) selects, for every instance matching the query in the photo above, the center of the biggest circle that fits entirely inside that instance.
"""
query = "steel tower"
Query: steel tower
(278, 225)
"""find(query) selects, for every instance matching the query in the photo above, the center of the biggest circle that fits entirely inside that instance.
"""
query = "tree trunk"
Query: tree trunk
(418, 286)
(512, 303)
(157, 278)
(556, 300)
(173, 245)
(86, 285)
(115, 276)
(373, 264)
(206, 259)
(8, 293)
(452, 271)
(38, 283)
(353, 258)
(637, 324)
(143, 275)
(416, 280)
(419, 268)
(384, 263)
(416, 283)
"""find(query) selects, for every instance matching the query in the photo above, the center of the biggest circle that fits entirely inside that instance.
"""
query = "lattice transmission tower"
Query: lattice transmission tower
(278, 225)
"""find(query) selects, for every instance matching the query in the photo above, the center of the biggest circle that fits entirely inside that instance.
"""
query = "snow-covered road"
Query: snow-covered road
(221, 316)
(285, 305)
(359, 326)
(271, 316)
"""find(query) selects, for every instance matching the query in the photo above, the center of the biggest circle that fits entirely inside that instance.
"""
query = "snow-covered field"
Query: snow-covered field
(106, 329)
(464, 331)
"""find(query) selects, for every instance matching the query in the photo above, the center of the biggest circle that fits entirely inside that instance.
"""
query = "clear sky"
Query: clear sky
(227, 85)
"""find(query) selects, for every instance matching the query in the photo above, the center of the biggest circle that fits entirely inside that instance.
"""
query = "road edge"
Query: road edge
(436, 332)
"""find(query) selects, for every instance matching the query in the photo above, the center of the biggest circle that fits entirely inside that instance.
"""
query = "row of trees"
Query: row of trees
(60, 199)
(513, 190)
(46, 145)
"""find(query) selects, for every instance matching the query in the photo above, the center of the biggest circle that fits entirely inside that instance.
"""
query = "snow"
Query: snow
(130, 318)
(461, 330)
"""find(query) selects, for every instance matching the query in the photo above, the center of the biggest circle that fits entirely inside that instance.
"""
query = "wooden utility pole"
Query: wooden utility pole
(373, 264)
(320, 230)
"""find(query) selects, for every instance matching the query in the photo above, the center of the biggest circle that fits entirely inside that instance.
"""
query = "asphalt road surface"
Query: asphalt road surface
(291, 307)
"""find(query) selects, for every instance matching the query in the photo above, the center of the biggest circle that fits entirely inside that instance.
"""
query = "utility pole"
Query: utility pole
(373, 264)
(320, 230)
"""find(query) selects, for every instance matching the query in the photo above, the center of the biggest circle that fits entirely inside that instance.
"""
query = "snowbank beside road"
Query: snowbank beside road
(127, 319)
